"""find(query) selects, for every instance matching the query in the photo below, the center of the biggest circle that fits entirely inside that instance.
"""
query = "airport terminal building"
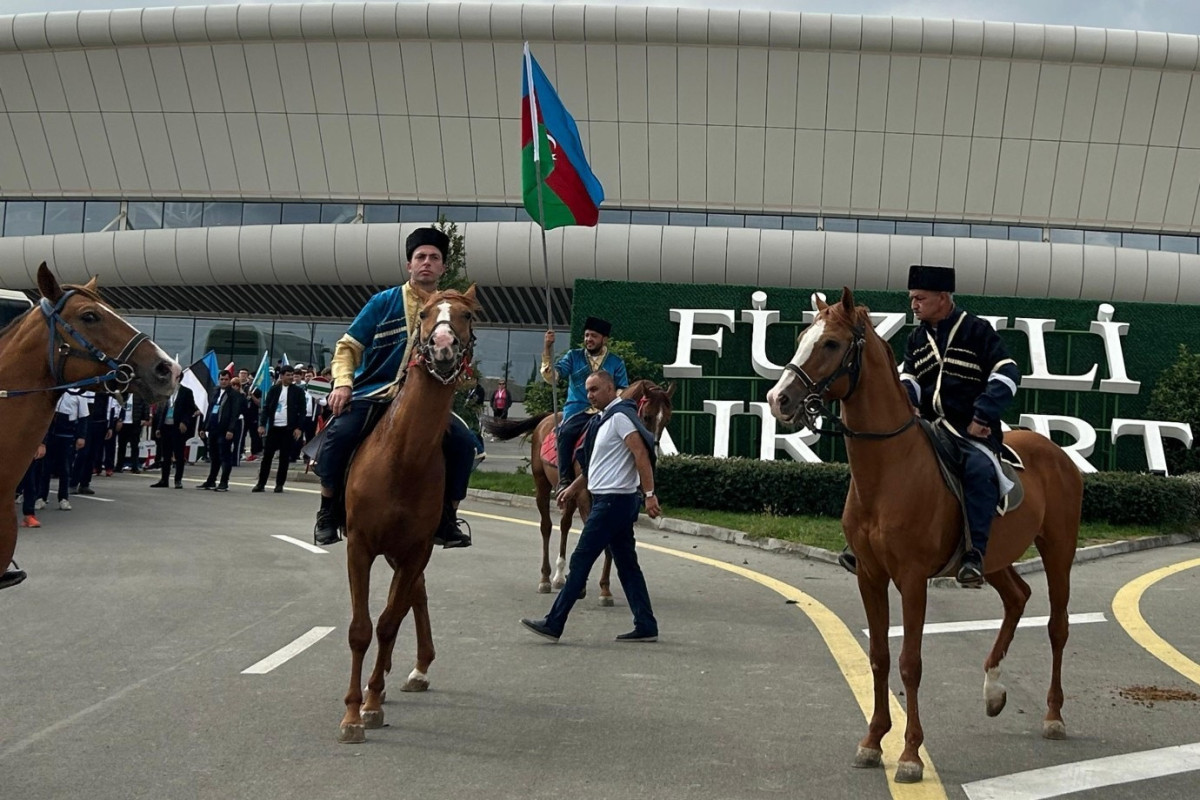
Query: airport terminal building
(244, 176)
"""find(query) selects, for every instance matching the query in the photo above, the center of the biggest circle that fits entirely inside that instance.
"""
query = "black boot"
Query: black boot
(448, 533)
(325, 532)
(12, 577)
(970, 572)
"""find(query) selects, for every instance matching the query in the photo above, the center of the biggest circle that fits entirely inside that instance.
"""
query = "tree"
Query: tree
(455, 276)
(537, 391)
(1176, 397)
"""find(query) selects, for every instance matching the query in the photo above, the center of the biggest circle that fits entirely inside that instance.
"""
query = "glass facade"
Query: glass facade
(35, 217)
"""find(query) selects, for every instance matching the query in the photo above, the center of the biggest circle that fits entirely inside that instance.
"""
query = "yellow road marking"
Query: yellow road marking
(1126, 608)
(850, 657)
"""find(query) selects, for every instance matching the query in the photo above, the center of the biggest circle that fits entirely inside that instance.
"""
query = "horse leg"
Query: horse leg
(606, 598)
(1058, 581)
(418, 679)
(8, 540)
(874, 592)
(913, 598)
(560, 564)
(358, 565)
(400, 600)
(543, 507)
(1014, 593)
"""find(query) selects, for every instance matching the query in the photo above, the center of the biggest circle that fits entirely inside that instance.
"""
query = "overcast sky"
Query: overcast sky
(1175, 16)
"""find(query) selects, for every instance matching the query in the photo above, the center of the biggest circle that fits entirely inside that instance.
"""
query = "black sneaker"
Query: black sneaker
(206, 485)
(637, 636)
(85, 490)
(449, 534)
(970, 572)
(325, 532)
(258, 489)
(12, 577)
(848, 560)
(540, 627)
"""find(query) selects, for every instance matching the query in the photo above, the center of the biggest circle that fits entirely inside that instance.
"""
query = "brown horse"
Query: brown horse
(394, 502)
(905, 525)
(65, 342)
(654, 408)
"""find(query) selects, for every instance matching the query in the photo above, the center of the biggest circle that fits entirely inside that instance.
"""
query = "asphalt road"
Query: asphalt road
(123, 655)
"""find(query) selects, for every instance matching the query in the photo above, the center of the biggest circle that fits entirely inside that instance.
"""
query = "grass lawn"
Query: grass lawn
(821, 532)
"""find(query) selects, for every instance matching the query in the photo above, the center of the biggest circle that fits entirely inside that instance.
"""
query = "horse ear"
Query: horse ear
(848, 300)
(91, 285)
(670, 390)
(470, 292)
(818, 301)
(48, 284)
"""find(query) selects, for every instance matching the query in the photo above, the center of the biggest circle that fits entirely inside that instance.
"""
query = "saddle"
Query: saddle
(950, 462)
(550, 447)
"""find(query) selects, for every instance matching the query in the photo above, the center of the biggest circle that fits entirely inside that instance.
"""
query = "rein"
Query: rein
(120, 374)
(814, 408)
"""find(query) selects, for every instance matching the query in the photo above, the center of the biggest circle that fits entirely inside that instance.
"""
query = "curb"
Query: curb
(689, 528)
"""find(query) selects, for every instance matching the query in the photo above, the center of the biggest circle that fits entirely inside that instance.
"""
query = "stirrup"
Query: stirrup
(848, 560)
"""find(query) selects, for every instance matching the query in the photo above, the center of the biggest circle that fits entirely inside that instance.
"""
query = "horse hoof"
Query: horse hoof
(415, 685)
(1054, 729)
(607, 602)
(558, 584)
(909, 772)
(866, 758)
(544, 587)
(352, 734)
(995, 705)
(372, 719)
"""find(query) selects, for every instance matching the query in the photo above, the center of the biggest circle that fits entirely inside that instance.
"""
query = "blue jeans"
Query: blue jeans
(609, 525)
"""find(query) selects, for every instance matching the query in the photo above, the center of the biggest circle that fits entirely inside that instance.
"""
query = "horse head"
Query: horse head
(654, 407)
(446, 339)
(89, 340)
(826, 364)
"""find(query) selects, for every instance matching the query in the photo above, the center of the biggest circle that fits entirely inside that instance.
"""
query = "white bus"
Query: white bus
(12, 305)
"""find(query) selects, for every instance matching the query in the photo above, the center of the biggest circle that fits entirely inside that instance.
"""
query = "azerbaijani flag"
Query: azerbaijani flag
(571, 194)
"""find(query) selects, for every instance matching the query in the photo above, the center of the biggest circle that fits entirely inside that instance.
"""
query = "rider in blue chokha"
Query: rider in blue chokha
(576, 365)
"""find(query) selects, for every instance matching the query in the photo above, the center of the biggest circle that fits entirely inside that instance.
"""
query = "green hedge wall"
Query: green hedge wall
(793, 488)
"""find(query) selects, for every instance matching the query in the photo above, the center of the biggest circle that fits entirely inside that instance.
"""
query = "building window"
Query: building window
(1105, 238)
(220, 214)
(764, 221)
(337, 213)
(416, 213)
(1066, 236)
(458, 213)
(914, 228)
(650, 218)
(1141, 241)
(727, 220)
(261, 213)
(989, 231)
(876, 226)
(63, 217)
(951, 229)
(97, 215)
(611, 215)
(1178, 244)
(145, 216)
(692, 218)
(799, 223)
(23, 218)
(1024, 234)
(301, 213)
(182, 215)
(381, 213)
(841, 225)
(497, 214)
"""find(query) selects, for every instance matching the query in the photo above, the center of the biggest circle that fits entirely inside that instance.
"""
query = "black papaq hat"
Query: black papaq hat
(600, 326)
(931, 279)
(426, 236)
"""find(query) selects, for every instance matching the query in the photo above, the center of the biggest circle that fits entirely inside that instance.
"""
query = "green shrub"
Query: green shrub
(1176, 397)
(791, 488)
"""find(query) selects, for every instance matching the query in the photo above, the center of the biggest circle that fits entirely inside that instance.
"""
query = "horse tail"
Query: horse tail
(505, 429)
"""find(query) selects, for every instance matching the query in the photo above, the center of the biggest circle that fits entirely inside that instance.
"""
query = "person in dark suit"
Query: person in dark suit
(134, 417)
(221, 430)
(174, 424)
(281, 423)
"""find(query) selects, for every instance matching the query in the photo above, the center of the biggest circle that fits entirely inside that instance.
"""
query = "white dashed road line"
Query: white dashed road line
(992, 624)
(1039, 784)
(291, 651)
(312, 548)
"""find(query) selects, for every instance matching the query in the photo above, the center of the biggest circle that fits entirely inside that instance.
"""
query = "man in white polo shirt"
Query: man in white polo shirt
(617, 469)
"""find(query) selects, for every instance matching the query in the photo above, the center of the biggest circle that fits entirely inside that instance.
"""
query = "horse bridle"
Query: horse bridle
(813, 407)
(642, 402)
(120, 374)
(424, 354)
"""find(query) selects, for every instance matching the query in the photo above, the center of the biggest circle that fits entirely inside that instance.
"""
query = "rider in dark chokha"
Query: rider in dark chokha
(957, 371)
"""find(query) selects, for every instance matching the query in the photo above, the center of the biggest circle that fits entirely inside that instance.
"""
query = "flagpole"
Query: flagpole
(537, 165)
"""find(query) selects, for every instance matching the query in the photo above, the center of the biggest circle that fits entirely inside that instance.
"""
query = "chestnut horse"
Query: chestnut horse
(905, 525)
(64, 342)
(394, 494)
(654, 408)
